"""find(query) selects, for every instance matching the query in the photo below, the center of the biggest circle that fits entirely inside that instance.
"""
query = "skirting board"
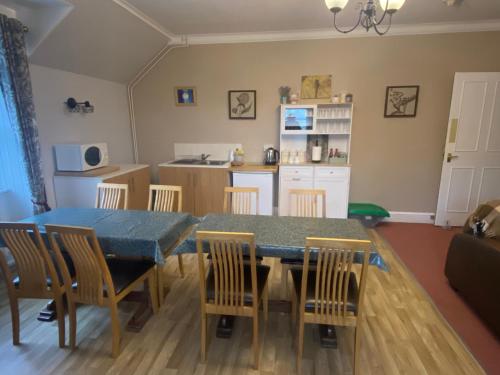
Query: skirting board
(411, 217)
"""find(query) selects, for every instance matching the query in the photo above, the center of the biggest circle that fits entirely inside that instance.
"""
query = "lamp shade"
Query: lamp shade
(392, 5)
(336, 5)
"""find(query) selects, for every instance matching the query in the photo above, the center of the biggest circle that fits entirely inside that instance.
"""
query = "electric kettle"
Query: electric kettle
(271, 156)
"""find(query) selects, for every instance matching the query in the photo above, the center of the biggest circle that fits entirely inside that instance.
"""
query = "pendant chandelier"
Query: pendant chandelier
(367, 15)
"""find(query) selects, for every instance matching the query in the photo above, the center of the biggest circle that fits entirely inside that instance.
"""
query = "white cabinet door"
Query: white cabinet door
(287, 183)
(337, 195)
(263, 181)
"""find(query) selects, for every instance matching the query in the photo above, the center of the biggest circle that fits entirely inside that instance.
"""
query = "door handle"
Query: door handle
(450, 157)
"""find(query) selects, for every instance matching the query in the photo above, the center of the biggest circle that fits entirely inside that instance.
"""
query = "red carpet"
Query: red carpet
(423, 248)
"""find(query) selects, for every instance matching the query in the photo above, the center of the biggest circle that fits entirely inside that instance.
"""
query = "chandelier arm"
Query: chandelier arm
(375, 22)
(349, 30)
(386, 30)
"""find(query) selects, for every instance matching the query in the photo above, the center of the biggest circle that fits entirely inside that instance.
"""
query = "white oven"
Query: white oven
(81, 157)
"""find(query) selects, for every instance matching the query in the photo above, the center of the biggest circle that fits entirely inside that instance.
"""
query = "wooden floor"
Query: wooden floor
(402, 334)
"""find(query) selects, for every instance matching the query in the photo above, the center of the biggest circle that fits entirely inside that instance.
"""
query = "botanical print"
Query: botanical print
(401, 101)
(316, 87)
(185, 96)
(242, 104)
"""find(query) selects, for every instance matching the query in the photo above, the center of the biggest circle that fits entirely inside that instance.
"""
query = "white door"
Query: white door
(471, 164)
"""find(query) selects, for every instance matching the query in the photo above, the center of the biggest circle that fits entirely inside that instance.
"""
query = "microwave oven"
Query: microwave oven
(81, 157)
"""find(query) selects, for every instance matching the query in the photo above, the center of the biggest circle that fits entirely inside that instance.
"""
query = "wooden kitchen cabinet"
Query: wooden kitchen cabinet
(78, 189)
(202, 187)
(138, 187)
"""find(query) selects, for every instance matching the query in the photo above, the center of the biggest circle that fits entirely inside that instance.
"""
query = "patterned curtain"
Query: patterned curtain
(15, 83)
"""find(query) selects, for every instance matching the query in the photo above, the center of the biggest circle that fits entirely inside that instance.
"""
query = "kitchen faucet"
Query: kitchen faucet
(204, 156)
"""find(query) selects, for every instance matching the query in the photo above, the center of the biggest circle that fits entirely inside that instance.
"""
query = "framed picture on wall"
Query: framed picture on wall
(185, 95)
(242, 104)
(401, 101)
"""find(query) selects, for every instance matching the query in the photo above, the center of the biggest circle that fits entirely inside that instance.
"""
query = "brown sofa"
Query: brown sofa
(473, 270)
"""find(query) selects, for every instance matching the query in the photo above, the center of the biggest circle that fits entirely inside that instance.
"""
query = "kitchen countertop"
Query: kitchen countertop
(122, 168)
(169, 164)
(254, 167)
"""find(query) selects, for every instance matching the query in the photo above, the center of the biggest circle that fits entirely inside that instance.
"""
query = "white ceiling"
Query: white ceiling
(100, 38)
(236, 16)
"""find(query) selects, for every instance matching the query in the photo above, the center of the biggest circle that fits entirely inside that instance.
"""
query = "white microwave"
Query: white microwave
(81, 157)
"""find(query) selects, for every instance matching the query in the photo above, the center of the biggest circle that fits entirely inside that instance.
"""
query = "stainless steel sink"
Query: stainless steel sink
(199, 162)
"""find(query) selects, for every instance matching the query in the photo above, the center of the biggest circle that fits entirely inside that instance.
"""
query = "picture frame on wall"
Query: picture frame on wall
(242, 104)
(401, 101)
(185, 96)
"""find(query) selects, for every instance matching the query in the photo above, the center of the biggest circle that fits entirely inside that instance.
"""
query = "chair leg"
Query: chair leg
(284, 281)
(300, 343)
(203, 346)
(294, 306)
(72, 324)
(181, 265)
(115, 326)
(160, 285)
(265, 301)
(60, 320)
(357, 337)
(153, 293)
(255, 344)
(14, 312)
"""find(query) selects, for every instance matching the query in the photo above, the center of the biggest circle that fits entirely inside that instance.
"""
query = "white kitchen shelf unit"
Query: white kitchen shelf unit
(297, 122)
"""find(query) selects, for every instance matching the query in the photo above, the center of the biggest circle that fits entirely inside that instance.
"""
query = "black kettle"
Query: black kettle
(271, 156)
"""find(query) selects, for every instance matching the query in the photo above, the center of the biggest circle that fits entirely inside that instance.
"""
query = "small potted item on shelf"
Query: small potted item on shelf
(284, 94)
(294, 98)
(348, 98)
(238, 157)
(336, 99)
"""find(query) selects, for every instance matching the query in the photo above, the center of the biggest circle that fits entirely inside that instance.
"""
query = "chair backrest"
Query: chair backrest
(112, 196)
(32, 260)
(91, 270)
(241, 200)
(226, 250)
(307, 202)
(163, 198)
(335, 258)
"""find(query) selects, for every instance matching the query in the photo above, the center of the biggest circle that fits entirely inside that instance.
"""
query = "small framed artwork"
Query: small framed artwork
(185, 95)
(242, 104)
(401, 101)
(316, 87)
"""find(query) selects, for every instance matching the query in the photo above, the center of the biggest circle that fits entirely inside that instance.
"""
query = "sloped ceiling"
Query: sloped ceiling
(100, 39)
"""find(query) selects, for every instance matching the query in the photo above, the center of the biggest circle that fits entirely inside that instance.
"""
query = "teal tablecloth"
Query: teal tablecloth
(281, 236)
(123, 232)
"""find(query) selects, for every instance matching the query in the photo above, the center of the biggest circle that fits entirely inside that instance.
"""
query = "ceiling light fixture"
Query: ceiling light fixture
(367, 15)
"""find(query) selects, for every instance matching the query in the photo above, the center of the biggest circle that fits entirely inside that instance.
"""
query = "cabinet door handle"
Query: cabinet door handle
(296, 179)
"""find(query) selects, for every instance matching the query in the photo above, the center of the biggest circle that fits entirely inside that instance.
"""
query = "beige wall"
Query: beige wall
(395, 162)
(109, 123)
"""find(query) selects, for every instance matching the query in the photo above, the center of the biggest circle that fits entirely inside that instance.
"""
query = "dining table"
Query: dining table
(283, 237)
(122, 233)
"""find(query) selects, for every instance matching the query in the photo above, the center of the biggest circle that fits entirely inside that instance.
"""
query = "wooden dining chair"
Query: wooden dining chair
(240, 200)
(98, 281)
(166, 198)
(232, 287)
(302, 203)
(35, 273)
(307, 202)
(330, 294)
(112, 196)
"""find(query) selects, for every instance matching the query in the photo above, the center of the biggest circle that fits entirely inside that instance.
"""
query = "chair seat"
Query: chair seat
(125, 271)
(352, 290)
(69, 264)
(262, 275)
